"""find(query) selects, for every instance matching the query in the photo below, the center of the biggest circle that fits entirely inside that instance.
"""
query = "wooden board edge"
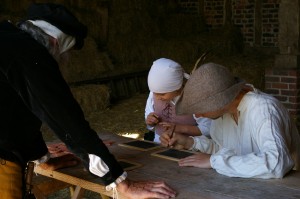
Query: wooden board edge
(138, 148)
(167, 157)
(135, 164)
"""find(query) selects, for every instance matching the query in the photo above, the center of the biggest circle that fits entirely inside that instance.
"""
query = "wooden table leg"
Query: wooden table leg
(104, 196)
(38, 193)
(78, 193)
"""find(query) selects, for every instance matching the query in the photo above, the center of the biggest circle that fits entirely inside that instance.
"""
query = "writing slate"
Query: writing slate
(173, 154)
(128, 165)
(142, 145)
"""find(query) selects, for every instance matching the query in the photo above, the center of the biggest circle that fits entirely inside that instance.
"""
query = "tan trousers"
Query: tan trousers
(11, 180)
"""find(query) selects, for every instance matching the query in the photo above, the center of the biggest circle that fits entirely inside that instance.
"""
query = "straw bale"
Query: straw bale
(87, 63)
(92, 97)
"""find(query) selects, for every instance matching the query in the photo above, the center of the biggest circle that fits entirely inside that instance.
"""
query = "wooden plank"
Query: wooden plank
(172, 154)
(142, 145)
(81, 182)
(128, 165)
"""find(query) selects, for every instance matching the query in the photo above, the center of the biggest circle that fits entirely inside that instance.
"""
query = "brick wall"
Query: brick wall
(246, 14)
(213, 12)
(270, 24)
(190, 6)
(284, 85)
(243, 16)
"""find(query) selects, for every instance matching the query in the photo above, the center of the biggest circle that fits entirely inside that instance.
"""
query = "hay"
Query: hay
(92, 98)
(124, 117)
(87, 63)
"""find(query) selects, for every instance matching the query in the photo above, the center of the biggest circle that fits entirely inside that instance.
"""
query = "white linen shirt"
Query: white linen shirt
(259, 146)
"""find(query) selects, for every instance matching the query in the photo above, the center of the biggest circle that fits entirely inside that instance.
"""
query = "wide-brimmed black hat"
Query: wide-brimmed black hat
(60, 17)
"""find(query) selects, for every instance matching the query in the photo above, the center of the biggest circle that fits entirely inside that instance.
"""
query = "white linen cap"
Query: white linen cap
(165, 76)
(65, 41)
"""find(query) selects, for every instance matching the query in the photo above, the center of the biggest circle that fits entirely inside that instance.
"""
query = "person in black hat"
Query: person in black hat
(33, 91)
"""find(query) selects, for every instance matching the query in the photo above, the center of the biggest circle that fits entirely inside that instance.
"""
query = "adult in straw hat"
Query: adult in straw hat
(252, 135)
(33, 91)
(166, 80)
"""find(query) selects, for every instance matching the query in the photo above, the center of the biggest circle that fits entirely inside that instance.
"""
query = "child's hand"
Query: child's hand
(167, 126)
(152, 119)
(200, 160)
(169, 139)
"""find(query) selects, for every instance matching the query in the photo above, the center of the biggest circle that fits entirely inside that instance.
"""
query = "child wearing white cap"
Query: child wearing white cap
(166, 79)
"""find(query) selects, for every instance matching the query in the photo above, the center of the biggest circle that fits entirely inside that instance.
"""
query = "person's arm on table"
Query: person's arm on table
(48, 96)
(198, 143)
(273, 160)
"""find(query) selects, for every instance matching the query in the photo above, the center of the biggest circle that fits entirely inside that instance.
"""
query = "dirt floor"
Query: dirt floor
(125, 117)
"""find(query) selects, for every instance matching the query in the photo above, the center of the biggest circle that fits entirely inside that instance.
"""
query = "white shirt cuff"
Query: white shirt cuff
(43, 159)
(115, 183)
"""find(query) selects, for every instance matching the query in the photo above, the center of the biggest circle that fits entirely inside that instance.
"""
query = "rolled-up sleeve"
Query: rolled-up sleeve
(204, 145)
(272, 160)
(203, 124)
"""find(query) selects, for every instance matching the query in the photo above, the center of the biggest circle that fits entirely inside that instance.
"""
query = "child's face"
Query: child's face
(166, 96)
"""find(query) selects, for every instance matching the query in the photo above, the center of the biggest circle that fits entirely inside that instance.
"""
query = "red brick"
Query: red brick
(269, 71)
(288, 80)
(280, 85)
(294, 99)
(289, 92)
(268, 85)
(281, 72)
(293, 112)
(294, 73)
(282, 98)
(291, 106)
(293, 86)
(272, 91)
(272, 79)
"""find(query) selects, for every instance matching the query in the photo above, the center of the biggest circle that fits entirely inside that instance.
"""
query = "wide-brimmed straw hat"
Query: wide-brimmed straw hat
(209, 89)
